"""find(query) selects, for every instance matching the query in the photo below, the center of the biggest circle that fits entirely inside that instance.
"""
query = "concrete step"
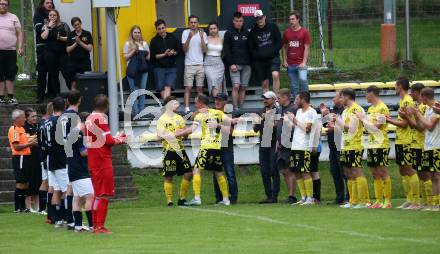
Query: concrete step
(119, 160)
(6, 109)
(122, 170)
(7, 197)
(4, 130)
(6, 174)
(5, 152)
(7, 185)
(5, 163)
(4, 141)
(124, 193)
(124, 181)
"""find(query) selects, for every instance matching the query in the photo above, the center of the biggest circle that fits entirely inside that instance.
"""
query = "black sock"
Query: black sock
(2, 97)
(10, 95)
(78, 218)
(69, 214)
(63, 209)
(42, 200)
(16, 198)
(58, 212)
(317, 189)
(89, 218)
(50, 210)
(21, 199)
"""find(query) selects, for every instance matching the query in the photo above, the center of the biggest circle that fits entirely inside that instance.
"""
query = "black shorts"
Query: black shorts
(404, 155)
(263, 71)
(8, 65)
(174, 164)
(21, 172)
(314, 162)
(301, 161)
(431, 160)
(283, 158)
(34, 170)
(417, 159)
(209, 159)
(378, 157)
(352, 158)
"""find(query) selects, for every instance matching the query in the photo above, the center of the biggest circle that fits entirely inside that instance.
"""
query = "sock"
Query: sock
(94, 210)
(101, 214)
(387, 189)
(350, 190)
(317, 189)
(89, 218)
(355, 192)
(50, 207)
(21, 199)
(58, 212)
(364, 196)
(308, 185)
(406, 188)
(223, 185)
(168, 188)
(186, 109)
(77, 215)
(10, 95)
(69, 214)
(378, 190)
(63, 209)
(301, 187)
(42, 200)
(438, 199)
(16, 198)
(427, 190)
(184, 186)
(197, 182)
(415, 188)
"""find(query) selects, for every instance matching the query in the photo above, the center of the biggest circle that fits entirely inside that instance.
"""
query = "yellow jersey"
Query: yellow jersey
(404, 136)
(376, 114)
(353, 139)
(169, 125)
(211, 136)
(419, 136)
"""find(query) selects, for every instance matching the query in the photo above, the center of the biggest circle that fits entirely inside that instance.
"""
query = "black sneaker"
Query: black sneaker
(17, 211)
(2, 101)
(170, 204)
(268, 201)
(290, 200)
(26, 211)
(13, 101)
(181, 202)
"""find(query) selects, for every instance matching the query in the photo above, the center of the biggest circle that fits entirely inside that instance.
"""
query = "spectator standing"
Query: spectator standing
(10, 33)
(265, 45)
(296, 40)
(164, 50)
(214, 67)
(194, 41)
(79, 46)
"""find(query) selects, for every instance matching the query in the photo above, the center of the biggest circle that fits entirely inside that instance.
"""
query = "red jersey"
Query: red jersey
(296, 41)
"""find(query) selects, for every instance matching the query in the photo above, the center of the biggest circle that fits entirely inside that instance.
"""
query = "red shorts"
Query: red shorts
(103, 181)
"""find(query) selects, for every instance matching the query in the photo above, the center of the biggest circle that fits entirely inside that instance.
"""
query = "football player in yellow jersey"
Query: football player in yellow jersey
(171, 129)
(419, 140)
(404, 135)
(352, 150)
(378, 147)
(209, 157)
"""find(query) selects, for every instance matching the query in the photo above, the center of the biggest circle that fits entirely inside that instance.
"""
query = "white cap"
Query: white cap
(269, 95)
(258, 13)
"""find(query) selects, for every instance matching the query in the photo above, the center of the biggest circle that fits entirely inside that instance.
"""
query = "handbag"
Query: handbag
(142, 63)
(132, 68)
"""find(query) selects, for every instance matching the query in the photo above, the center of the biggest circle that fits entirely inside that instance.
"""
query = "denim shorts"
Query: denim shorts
(165, 77)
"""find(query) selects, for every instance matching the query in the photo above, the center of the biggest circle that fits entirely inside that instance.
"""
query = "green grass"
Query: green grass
(148, 226)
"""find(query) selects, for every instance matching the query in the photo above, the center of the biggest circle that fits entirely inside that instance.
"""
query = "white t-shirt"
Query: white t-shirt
(194, 56)
(301, 140)
(144, 47)
(432, 138)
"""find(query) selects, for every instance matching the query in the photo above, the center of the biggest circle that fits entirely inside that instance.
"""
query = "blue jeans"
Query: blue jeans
(139, 104)
(228, 164)
(298, 79)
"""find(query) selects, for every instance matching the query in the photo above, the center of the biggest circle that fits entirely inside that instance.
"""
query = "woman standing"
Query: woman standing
(41, 18)
(55, 55)
(79, 46)
(34, 170)
(214, 67)
(135, 49)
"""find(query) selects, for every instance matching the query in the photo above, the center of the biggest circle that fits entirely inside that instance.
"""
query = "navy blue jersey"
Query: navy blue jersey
(42, 142)
(56, 157)
(77, 164)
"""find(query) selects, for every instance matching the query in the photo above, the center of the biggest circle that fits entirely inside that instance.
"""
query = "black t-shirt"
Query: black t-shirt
(80, 55)
(159, 45)
(52, 42)
(56, 156)
(33, 130)
(331, 134)
(42, 141)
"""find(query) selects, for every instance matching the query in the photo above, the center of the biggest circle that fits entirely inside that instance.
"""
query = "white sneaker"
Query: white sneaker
(347, 205)
(404, 205)
(360, 206)
(33, 211)
(309, 201)
(225, 202)
(194, 202)
(59, 224)
(300, 202)
(43, 213)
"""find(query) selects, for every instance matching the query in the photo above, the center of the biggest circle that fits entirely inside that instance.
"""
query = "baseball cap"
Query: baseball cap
(222, 96)
(258, 13)
(269, 95)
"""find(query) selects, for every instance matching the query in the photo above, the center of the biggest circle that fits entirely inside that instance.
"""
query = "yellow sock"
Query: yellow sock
(438, 199)
(184, 186)
(355, 192)
(378, 190)
(308, 183)
(434, 200)
(197, 183)
(406, 188)
(415, 188)
(301, 187)
(427, 192)
(350, 190)
(168, 188)
(223, 185)
(387, 189)
(362, 188)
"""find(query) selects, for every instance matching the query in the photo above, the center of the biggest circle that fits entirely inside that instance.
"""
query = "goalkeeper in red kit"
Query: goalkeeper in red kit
(99, 146)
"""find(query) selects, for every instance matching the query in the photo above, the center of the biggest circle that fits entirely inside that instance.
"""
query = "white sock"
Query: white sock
(186, 109)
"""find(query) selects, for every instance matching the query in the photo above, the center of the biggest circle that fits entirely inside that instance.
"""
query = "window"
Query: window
(172, 11)
(205, 9)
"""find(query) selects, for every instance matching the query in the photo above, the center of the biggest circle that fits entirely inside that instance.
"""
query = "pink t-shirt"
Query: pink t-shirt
(296, 41)
(8, 35)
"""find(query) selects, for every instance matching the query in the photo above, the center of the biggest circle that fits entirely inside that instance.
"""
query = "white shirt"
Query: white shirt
(194, 55)
(143, 47)
(432, 138)
(301, 140)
